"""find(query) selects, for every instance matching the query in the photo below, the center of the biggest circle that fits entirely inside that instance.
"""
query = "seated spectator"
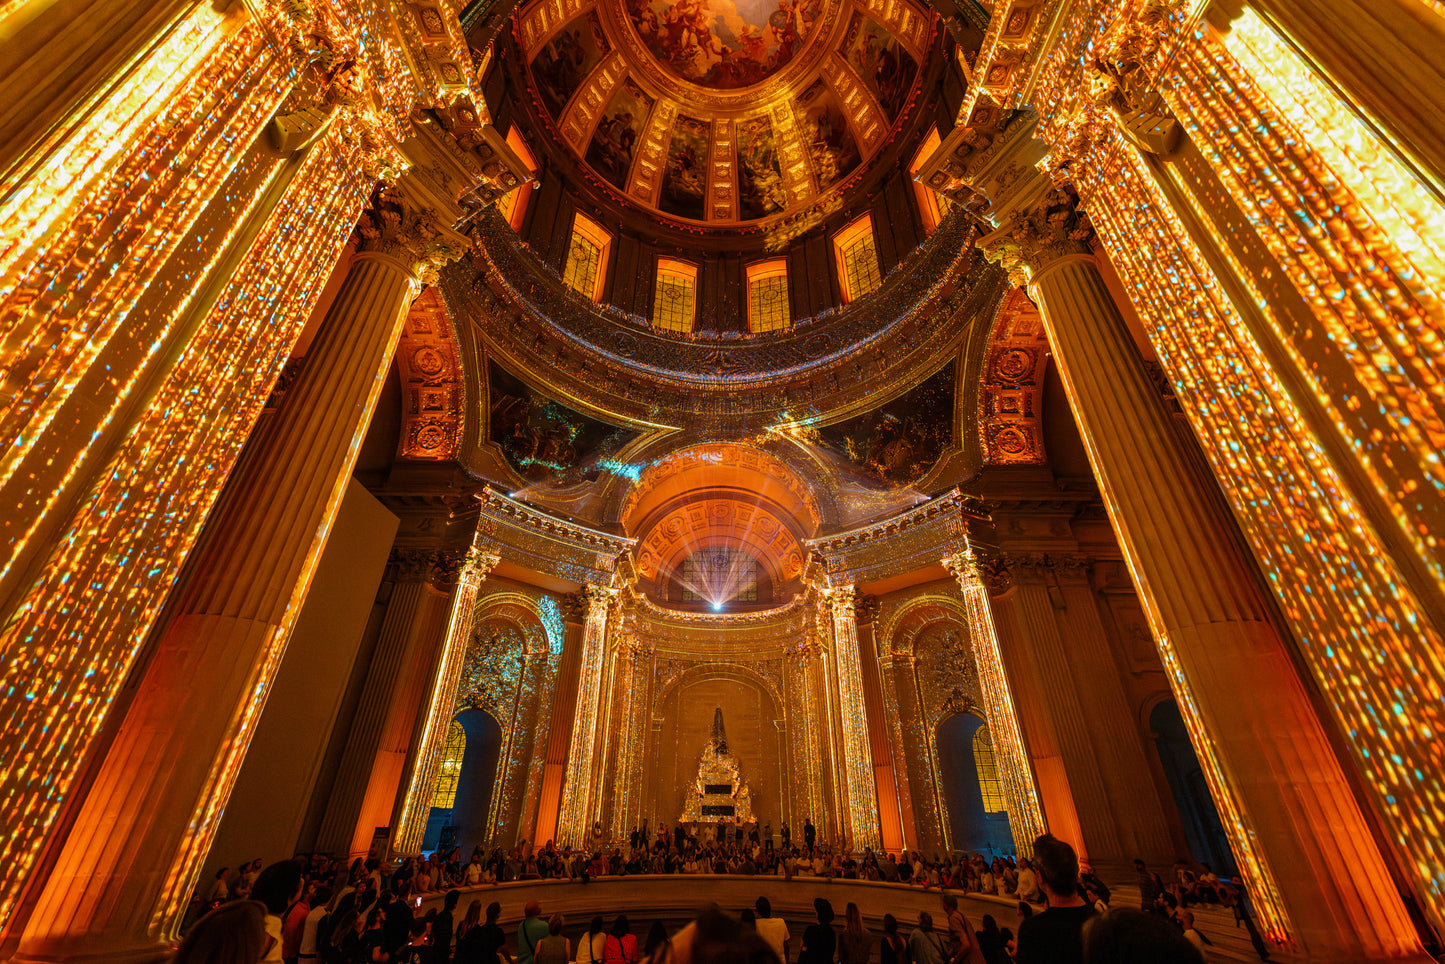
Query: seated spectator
(621, 945)
(554, 948)
(926, 945)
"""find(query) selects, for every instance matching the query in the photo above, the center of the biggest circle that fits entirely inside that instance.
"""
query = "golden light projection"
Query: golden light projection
(1026, 815)
(857, 754)
(449, 770)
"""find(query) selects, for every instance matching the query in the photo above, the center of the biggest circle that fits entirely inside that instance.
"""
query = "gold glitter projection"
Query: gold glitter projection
(1022, 412)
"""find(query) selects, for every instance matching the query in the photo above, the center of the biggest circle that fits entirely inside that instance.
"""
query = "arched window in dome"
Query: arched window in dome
(718, 575)
(674, 298)
(513, 205)
(932, 205)
(445, 792)
(768, 301)
(857, 256)
(988, 782)
(587, 257)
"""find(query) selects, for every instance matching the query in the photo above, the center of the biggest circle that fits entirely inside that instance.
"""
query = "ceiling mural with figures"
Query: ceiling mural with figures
(544, 440)
(724, 44)
(897, 443)
(730, 112)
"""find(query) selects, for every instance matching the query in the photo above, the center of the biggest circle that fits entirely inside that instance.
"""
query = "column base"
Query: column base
(81, 952)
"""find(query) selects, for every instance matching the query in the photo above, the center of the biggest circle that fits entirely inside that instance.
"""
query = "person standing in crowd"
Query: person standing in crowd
(554, 948)
(483, 943)
(1148, 890)
(1055, 936)
(441, 929)
(810, 833)
(621, 946)
(531, 931)
(306, 951)
(820, 941)
(592, 945)
(893, 949)
(962, 948)
(786, 834)
(279, 888)
(772, 929)
(925, 945)
(657, 942)
(991, 942)
(856, 944)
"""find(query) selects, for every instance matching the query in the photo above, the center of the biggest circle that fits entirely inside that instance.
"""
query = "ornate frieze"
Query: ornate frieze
(545, 543)
(913, 539)
(1011, 390)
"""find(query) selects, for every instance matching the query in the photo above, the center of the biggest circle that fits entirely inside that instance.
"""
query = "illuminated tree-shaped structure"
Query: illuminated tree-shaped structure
(719, 793)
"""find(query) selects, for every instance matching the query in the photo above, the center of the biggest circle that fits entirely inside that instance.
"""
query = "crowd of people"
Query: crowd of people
(319, 912)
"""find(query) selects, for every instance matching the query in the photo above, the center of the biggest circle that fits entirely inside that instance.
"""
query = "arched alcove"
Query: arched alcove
(475, 778)
(977, 818)
(1202, 826)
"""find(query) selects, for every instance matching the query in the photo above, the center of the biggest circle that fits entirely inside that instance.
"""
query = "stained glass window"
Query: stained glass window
(857, 256)
(988, 781)
(587, 257)
(719, 575)
(674, 300)
(768, 301)
(932, 205)
(445, 794)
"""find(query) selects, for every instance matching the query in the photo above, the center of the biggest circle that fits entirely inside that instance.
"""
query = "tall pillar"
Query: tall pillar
(1025, 816)
(1134, 803)
(1303, 846)
(890, 812)
(376, 742)
(415, 806)
(573, 823)
(564, 706)
(861, 812)
(126, 872)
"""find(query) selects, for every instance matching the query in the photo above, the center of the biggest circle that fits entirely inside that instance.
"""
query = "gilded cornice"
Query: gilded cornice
(840, 362)
(913, 539)
(742, 637)
(545, 543)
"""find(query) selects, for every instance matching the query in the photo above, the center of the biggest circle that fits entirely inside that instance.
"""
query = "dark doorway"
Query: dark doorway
(463, 793)
(1202, 827)
(977, 815)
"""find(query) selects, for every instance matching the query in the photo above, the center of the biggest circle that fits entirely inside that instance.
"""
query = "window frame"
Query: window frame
(600, 238)
(674, 268)
(844, 240)
(932, 206)
(513, 205)
(765, 271)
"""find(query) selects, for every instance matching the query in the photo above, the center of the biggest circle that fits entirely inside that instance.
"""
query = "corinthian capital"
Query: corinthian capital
(841, 598)
(397, 226)
(1038, 236)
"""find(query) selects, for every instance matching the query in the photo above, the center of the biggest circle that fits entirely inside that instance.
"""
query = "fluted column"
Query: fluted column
(1060, 699)
(440, 705)
(1025, 816)
(1304, 847)
(563, 710)
(1133, 800)
(890, 810)
(377, 739)
(573, 824)
(129, 865)
(862, 794)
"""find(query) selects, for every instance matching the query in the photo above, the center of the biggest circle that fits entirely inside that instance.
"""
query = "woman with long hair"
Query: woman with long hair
(856, 944)
(893, 949)
(592, 945)
(655, 948)
(621, 946)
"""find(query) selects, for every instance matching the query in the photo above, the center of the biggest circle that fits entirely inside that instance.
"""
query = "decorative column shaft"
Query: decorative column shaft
(573, 827)
(416, 806)
(1026, 818)
(1284, 799)
(127, 870)
(361, 797)
(563, 713)
(862, 792)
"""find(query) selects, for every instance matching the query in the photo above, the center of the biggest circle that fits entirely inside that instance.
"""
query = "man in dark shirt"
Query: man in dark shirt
(1056, 935)
(809, 833)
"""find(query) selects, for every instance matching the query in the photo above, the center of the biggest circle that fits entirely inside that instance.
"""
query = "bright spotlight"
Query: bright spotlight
(717, 607)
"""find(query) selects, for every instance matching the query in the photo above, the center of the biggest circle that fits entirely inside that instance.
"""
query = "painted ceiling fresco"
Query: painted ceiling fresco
(724, 44)
(565, 61)
(546, 441)
(897, 443)
(881, 61)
